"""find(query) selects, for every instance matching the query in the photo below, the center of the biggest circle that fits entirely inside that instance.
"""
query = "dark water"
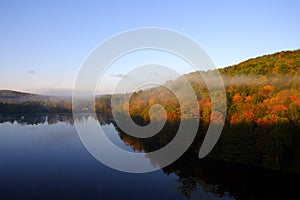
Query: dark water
(42, 157)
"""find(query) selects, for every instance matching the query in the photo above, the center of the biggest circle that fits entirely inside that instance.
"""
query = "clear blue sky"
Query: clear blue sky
(43, 43)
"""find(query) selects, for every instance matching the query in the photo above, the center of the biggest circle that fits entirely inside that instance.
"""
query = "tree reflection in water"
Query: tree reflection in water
(224, 179)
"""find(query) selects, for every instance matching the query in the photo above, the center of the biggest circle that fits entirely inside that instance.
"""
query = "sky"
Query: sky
(44, 43)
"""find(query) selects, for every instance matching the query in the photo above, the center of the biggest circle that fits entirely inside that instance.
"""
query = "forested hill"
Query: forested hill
(262, 123)
(10, 93)
(14, 102)
(285, 62)
(10, 96)
(266, 81)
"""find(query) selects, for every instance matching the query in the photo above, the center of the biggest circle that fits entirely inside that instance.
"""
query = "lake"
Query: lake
(42, 157)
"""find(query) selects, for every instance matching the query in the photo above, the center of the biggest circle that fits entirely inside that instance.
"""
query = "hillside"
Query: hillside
(267, 80)
(14, 102)
(10, 93)
(262, 123)
(9, 96)
(281, 63)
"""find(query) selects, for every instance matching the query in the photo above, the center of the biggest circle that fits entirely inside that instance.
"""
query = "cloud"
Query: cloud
(31, 72)
(119, 75)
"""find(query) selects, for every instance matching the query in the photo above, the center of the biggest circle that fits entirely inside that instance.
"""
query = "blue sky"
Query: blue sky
(43, 43)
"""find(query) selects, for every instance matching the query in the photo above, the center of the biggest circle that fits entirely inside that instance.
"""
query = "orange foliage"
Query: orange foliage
(235, 118)
(248, 99)
(135, 144)
(204, 103)
(262, 121)
(279, 108)
(216, 117)
(172, 115)
(268, 88)
(267, 120)
(295, 99)
(289, 61)
(151, 101)
(237, 98)
(249, 116)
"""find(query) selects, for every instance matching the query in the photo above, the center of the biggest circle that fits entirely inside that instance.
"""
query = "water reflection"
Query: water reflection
(35, 119)
(200, 178)
(195, 178)
(231, 180)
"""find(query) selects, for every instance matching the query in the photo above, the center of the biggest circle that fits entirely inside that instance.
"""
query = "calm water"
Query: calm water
(42, 157)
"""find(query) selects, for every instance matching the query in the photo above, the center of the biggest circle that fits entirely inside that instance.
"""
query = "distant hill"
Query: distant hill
(13, 102)
(10, 96)
(10, 93)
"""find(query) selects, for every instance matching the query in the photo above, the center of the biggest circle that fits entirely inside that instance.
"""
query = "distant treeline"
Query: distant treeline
(32, 107)
(13, 102)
